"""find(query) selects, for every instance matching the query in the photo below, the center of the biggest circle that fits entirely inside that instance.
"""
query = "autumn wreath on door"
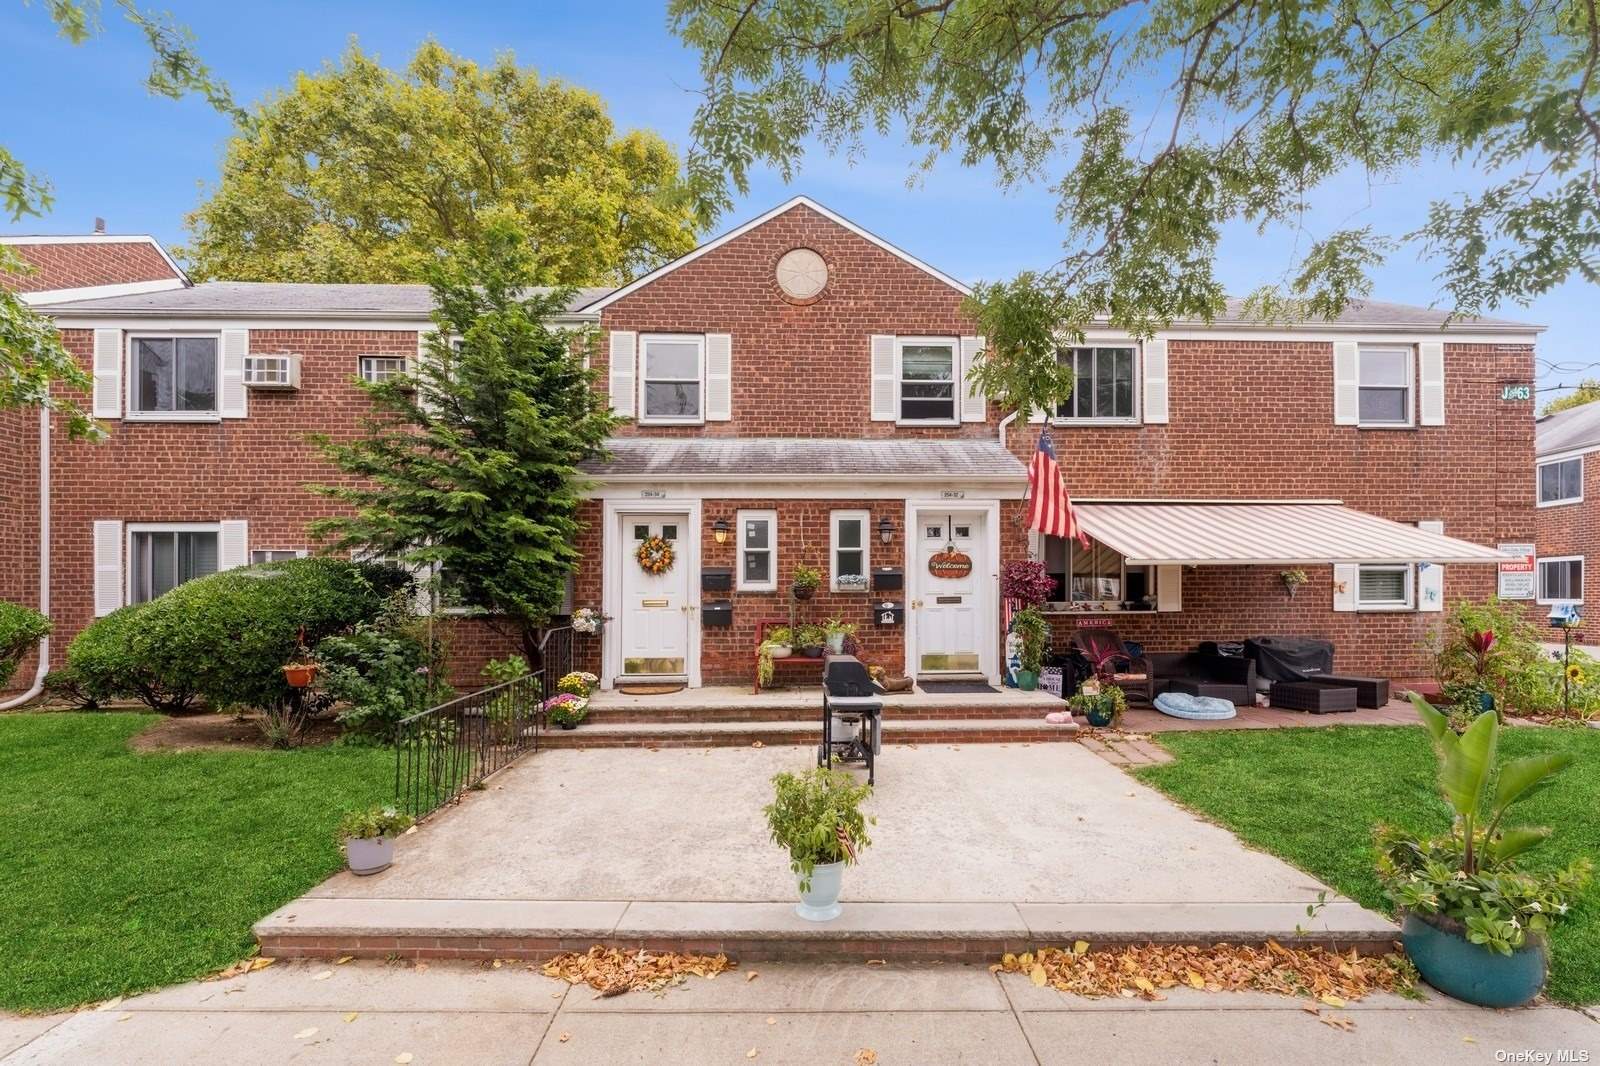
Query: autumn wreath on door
(655, 555)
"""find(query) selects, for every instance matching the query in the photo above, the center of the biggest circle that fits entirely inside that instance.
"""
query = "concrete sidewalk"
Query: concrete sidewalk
(452, 1013)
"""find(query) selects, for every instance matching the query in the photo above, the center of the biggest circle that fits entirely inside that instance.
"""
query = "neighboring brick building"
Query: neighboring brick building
(1567, 494)
(798, 396)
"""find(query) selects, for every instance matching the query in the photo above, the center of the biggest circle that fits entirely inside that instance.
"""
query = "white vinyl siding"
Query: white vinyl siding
(848, 550)
(1561, 579)
(174, 378)
(1561, 482)
(672, 379)
(1385, 396)
(1103, 385)
(758, 551)
(926, 378)
(1385, 587)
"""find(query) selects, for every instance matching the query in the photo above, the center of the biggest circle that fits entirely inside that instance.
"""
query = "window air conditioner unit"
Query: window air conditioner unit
(272, 371)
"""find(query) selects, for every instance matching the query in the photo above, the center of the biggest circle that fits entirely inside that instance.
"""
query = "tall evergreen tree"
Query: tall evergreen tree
(470, 465)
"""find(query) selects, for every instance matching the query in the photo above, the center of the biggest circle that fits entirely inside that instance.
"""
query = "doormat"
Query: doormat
(936, 688)
(650, 690)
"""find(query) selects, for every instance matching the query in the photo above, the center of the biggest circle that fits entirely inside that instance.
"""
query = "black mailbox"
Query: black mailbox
(716, 615)
(889, 613)
(716, 579)
(888, 579)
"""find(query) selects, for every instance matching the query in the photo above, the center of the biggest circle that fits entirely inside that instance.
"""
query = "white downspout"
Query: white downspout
(44, 561)
(1004, 422)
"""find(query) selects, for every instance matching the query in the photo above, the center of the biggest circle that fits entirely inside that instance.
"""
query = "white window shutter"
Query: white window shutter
(972, 400)
(883, 383)
(1346, 387)
(1155, 380)
(107, 567)
(1431, 357)
(719, 377)
(107, 401)
(415, 364)
(1346, 576)
(233, 545)
(234, 399)
(1430, 576)
(1169, 588)
(624, 359)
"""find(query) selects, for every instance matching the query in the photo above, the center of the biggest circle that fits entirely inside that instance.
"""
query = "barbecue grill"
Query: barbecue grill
(852, 714)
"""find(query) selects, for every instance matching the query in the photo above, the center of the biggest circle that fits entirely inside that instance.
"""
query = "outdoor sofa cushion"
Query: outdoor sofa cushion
(1195, 708)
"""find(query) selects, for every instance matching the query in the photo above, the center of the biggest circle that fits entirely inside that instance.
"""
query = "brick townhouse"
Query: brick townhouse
(796, 389)
(1567, 488)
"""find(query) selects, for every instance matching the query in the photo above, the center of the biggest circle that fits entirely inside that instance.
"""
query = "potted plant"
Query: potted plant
(834, 631)
(1474, 921)
(588, 621)
(780, 641)
(851, 582)
(566, 710)
(816, 817)
(1101, 706)
(1292, 580)
(810, 639)
(577, 683)
(1026, 580)
(805, 582)
(1033, 632)
(369, 838)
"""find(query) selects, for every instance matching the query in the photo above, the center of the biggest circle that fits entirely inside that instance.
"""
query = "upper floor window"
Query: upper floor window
(1384, 383)
(376, 369)
(927, 379)
(1389, 587)
(161, 559)
(1561, 481)
(173, 376)
(1102, 387)
(672, 379)
(1561, 580)
(849, 550)
(758, 551)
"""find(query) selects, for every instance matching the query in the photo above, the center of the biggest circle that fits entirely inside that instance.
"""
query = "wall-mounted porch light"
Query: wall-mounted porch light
(719, 529)
(885, 529)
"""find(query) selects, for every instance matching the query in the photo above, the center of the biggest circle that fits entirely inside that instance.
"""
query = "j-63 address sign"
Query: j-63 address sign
(1516, 392)
(949, 563)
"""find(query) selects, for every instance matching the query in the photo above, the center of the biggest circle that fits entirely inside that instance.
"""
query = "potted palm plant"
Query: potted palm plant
(1474, 920)
(369, 838)
(816, 817)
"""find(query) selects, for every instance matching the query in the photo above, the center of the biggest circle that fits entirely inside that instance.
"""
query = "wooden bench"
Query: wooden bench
(791, 664)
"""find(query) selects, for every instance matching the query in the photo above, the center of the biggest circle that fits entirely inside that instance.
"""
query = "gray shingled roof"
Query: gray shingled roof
(1383, 313)
(1567, 431)
(284, 299)
(768, 457)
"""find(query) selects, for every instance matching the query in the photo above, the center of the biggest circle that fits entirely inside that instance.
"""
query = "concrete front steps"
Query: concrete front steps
(592, 734)
(749, 931)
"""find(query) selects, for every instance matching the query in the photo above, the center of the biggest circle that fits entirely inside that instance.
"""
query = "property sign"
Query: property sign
(1517, 575)
(1516, 392)
(950, 564)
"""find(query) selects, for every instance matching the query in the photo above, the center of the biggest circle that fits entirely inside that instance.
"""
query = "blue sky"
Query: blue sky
(142, 162)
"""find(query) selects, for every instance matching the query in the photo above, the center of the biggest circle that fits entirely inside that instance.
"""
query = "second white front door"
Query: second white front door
(951, 609)
(655, 606)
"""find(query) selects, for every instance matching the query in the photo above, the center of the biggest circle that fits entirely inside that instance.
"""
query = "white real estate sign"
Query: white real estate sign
(1517, 575)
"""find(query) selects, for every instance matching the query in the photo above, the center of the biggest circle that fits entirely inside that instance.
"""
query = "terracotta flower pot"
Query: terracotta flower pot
(300, 675)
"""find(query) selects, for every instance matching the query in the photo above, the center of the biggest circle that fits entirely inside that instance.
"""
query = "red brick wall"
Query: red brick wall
(72, 266)
(19, 522)
(1573, 529)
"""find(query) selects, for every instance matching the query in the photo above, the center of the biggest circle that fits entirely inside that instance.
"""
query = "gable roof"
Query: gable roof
(268, 299)
(102, 267)
(760, 220)
(1575, 429)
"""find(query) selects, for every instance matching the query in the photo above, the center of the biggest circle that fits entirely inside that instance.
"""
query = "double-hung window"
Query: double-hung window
(162, 558)
(1561, 482)
(376, 369)
(1386, 587)
(173, 377)
(758, 551)
(275, 555)
(1384, 383)
(848, 536)
(672, 379)
(1561, 579)
(1102, 389)
(927, 379)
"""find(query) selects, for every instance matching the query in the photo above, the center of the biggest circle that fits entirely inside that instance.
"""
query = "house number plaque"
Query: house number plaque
(950, 564)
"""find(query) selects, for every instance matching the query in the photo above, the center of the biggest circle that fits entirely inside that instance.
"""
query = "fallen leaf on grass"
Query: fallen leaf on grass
(305, 1034)
(323, 976)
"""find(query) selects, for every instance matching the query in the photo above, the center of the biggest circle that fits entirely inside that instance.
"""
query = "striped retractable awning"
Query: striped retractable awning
(1279, 533)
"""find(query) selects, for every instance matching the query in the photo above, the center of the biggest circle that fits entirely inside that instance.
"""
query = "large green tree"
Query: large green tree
(32, 357)
(470, 466)
(1158, 122)
(1587, 391)
(358, 173)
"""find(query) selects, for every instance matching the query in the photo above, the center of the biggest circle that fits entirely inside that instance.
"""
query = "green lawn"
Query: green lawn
(1312, 796)
(126, 871)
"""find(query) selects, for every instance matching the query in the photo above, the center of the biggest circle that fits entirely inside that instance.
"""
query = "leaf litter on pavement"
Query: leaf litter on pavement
(611, 972)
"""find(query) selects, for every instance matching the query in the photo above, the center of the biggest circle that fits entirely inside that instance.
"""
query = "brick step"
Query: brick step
(809, 731)
(721, 715)
(758, 930)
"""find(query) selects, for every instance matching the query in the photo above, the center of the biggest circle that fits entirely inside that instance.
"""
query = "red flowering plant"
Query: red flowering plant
(1026, 580)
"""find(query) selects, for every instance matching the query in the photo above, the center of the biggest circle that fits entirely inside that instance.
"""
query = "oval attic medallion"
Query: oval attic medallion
(802, 274)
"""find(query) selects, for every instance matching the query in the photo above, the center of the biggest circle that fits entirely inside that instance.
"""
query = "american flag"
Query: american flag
(1051, 510)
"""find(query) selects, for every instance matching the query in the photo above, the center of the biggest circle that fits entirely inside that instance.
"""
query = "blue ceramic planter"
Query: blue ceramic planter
(1471, 972)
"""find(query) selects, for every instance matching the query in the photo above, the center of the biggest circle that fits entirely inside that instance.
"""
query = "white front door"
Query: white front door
(951, 607)
(655, 607)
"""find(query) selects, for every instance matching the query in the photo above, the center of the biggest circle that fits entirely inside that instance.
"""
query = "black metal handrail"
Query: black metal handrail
(445, 750)
(555, 653)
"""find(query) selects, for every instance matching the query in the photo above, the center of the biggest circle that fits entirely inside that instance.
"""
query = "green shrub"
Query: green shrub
(21, 630)
(383, 670)
(64, 686)
(109, 661)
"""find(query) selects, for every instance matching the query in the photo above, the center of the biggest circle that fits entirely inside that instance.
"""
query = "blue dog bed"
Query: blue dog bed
(1195, 708)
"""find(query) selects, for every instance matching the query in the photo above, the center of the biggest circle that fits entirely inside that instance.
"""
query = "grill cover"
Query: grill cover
(1290, 658)
(845, 675)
